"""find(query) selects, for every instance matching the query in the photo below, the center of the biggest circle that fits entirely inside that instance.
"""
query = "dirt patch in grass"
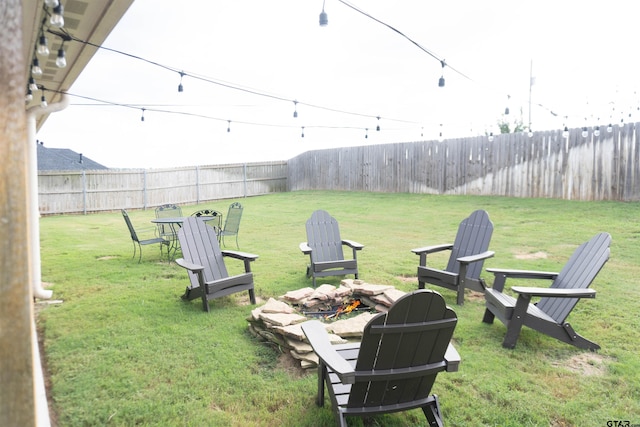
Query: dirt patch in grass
(407, 279)
(289, 364)
(588, 364)
(528, 255)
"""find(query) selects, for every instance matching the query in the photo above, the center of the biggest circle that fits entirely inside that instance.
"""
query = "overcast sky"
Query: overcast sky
(343, 76)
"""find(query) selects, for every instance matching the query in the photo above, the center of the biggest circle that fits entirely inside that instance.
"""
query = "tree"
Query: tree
(511, 127)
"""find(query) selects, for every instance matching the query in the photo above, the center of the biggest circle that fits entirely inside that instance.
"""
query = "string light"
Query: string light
(565, 132)
(441, 83)
(57, 18)
(295, 109)
(506, 110)
(32, 84)
(303, 131)
(36, 70)
(43, 46)
(324, 19)
(228, 126)
(142, 117)
(180, 88)
(366, 133)
(61, 61)
(51, 3)
(43, 100)
(29, 96)
(490, 137)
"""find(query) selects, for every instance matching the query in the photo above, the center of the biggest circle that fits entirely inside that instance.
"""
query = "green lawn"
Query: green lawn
(123, 349)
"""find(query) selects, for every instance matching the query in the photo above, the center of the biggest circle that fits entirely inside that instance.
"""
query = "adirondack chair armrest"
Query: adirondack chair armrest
(432, 249)
(554, 292)
(501, 275)
(452, 358)
(523, 274)
(240, 255)
(189, 265)
(318, 337)
(304, 247)
(353, 245)
(476, 257)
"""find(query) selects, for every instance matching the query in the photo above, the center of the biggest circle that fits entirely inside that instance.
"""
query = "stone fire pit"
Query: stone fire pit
(345, 310)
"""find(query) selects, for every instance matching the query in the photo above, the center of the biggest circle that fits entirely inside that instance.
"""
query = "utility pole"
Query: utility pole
(531, 83)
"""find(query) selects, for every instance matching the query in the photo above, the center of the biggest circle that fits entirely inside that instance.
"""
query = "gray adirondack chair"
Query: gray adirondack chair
(550, 313)
(142, 242)
(204, 260)
(468, 252)
(324, 247)
(395, 365)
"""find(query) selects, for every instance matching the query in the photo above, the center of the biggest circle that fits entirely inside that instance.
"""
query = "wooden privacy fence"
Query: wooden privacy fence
(106, 190)
(546, 165)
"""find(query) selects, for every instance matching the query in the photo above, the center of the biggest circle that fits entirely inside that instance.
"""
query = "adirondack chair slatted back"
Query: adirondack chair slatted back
(578, 273)
(323, 237)
(411, 339)
(473, 237)
(199, 244)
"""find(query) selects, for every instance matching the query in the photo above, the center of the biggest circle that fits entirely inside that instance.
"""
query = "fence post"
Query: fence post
(144, 189)
(245, 179)
(198, 185)
(84, 193)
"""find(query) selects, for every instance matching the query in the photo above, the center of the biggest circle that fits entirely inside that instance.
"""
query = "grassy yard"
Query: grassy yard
(123, 349)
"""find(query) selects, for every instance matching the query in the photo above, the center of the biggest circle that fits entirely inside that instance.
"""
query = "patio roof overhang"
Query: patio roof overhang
(87, 20)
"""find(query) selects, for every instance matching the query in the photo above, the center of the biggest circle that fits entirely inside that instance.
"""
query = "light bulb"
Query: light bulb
(32, 84)
(585, 132)
(324, 19)
(61, 61)
(51, 3)
(36, 71)
(596, 131)
(530, 133)
(441, 81)
(609, 128)
(491, 137)
(565, 132)
(29, 96)
(43, 46)
(43, 101)
(57, 20)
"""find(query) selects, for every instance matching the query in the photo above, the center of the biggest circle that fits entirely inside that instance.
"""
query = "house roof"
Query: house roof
(64, 159)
